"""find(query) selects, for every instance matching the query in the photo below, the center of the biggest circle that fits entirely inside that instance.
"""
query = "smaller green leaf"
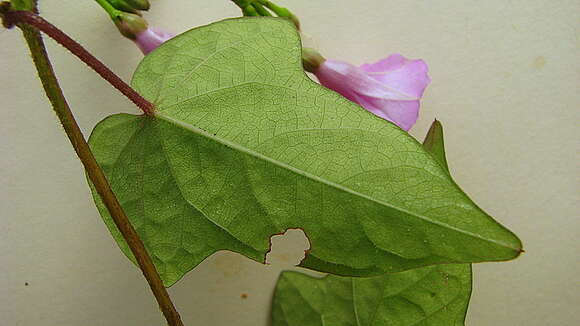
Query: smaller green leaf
(434, 296)
(435, 145)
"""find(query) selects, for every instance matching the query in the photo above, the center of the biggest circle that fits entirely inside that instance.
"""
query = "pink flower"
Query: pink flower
(390, 88)
(149, 39)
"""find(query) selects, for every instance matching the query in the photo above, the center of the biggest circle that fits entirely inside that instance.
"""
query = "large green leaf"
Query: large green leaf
(429, 296)
(244, 145)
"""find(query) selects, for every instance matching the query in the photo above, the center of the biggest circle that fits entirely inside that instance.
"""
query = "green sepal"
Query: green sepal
(130, 25)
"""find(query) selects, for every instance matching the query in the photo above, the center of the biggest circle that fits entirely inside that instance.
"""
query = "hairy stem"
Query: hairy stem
(32, 19)
(96, 175)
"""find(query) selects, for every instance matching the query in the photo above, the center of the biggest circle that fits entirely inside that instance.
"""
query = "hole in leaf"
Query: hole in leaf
(288, 249)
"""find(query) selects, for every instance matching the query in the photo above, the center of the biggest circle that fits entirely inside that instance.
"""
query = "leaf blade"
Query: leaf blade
(254, 147)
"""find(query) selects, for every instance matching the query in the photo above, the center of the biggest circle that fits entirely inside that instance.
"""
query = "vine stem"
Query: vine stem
(96, 175)
(32, 19)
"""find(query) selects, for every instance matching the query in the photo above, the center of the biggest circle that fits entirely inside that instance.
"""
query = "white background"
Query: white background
(506, 79)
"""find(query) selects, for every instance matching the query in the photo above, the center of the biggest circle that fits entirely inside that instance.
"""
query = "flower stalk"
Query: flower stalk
(109, 8)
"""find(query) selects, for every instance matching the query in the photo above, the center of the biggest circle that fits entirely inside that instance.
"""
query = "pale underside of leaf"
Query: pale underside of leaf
(243, 146)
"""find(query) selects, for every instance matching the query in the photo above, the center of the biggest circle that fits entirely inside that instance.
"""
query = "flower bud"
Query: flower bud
(130, 25)
(132, 6)
(123, 6)
(139, 4)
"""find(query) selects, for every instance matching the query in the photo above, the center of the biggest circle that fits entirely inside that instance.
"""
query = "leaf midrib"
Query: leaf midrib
(337, 186)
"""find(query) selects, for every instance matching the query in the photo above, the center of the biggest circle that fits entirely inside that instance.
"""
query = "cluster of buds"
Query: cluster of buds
(126, 14)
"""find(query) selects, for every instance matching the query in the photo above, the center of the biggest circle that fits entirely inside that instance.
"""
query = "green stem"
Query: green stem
(261, 10)
(112, 11)
(94, 172)
(280, 11)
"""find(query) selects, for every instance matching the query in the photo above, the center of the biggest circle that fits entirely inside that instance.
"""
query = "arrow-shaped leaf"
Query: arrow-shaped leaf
(244, 145)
